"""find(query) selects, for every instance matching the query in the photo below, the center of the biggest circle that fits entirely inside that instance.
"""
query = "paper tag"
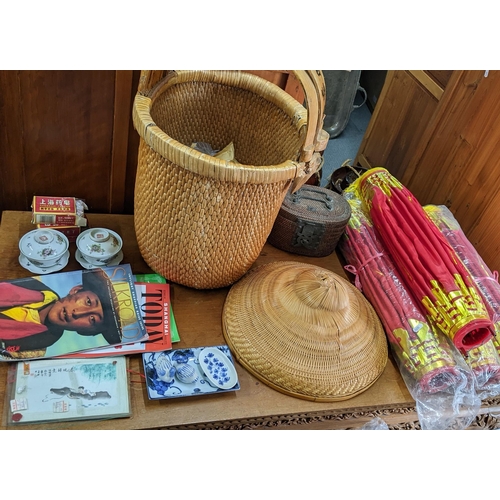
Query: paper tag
(18, 404)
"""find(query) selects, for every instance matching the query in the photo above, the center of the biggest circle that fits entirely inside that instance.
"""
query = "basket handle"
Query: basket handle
(316, 139)
(149, 78)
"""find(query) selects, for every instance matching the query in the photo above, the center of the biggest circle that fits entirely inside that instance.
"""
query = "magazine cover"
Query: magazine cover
(47, 390)
(154, 308)
(56, 314)
(158, 278)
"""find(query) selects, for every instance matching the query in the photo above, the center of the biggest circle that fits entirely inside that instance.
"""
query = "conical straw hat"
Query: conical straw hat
(304, 331)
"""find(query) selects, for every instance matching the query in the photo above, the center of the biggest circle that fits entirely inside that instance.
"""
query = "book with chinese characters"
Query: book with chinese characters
(46, 390)
(68, 312)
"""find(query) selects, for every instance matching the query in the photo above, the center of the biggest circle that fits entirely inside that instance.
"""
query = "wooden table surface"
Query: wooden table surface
(198, 314)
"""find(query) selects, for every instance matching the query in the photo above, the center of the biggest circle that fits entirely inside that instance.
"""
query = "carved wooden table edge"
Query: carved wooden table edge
(350, 420)
(397, 417)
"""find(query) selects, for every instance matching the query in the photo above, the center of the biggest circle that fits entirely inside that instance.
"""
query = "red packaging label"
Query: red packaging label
(57, 210)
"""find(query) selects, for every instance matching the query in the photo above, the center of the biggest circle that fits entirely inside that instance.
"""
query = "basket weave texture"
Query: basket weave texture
(201, 221)
(304, 331)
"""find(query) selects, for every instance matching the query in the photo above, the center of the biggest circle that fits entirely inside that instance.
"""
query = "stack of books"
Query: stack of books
(67, 333)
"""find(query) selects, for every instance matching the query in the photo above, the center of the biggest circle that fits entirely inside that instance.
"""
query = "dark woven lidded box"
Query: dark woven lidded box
(310, 222)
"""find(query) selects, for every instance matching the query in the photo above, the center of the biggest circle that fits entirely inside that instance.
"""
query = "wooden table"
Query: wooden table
(198, 314)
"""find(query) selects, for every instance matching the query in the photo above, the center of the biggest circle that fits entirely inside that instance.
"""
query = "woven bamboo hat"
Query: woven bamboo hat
(304, 331)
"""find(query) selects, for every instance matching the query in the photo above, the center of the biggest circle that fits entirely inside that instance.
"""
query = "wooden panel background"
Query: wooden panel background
(442, 77)
(459, 166)
(64, 133)
(402, 113)
(70, 133)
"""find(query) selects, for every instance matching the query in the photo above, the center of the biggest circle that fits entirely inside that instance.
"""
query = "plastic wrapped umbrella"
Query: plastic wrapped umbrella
(431, 269)
(425, 358)
(483, 360)
(432, 368)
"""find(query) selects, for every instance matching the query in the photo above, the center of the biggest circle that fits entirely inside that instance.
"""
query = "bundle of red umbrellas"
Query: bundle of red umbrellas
(483, 360)
(427, 361)
(429, 266)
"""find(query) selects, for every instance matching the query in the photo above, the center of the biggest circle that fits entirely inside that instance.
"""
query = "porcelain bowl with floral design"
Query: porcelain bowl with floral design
(99, 246)
(44, 247)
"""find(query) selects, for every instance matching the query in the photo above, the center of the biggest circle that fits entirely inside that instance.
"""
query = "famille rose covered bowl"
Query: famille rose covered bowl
(44, 248)
(99, 246)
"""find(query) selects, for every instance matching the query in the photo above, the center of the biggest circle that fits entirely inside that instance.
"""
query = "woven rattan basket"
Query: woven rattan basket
(304, 331)
(201, 221)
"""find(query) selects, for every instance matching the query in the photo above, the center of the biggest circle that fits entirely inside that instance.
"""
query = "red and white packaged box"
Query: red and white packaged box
(58, 210)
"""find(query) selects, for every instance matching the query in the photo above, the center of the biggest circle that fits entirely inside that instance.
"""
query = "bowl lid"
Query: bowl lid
(99, 242)
(43, 244)
(304, 331)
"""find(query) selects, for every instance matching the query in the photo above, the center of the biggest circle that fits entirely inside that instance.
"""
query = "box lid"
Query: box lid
(316, 204)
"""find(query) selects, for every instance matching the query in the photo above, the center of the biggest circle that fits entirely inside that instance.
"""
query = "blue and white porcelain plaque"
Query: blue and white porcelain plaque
(190, 372)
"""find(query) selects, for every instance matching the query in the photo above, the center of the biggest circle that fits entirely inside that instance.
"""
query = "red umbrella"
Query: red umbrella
(431, 269)
(426, 360)
(484, 360)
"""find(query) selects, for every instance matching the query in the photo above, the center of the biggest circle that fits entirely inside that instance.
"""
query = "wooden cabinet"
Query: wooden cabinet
(438, 132)
(403, 112)
(66, 133)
